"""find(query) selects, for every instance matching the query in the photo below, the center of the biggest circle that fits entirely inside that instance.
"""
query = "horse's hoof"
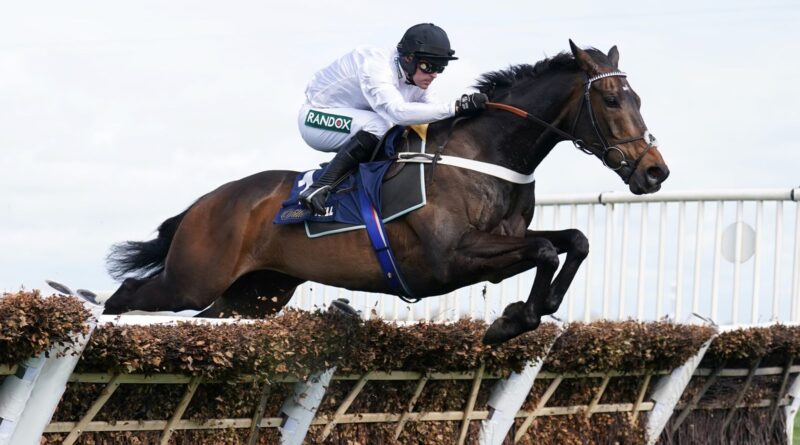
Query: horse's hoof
(514, 309)
(502, 330)
(113, 310)
(507, 326)
(511, 324)
(341, 306)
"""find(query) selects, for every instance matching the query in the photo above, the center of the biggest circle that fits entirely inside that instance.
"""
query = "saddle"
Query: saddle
(394, 188)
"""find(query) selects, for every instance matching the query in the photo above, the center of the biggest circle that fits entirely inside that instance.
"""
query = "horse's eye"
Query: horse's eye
(611, 101)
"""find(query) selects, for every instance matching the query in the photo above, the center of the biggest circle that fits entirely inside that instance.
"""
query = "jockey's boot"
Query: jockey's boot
(356, 150)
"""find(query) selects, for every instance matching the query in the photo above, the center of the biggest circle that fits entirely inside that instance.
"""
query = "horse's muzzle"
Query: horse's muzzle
(648, 180)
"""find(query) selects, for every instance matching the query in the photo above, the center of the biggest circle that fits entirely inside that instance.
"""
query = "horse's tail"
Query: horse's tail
(143, 259)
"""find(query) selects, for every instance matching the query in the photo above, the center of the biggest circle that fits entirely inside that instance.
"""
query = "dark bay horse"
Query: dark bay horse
(224, 250)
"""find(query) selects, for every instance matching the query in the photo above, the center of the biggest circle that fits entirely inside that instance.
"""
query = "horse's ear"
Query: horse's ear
(613, 56)
(584, 60)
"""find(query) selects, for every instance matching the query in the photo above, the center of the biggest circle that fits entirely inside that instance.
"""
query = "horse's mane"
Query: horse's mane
(495, 83)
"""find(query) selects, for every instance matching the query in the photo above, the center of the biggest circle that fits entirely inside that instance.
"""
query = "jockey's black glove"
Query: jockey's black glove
(471, 104)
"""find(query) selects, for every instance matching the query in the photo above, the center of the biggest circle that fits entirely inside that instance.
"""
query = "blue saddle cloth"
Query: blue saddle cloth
(343, 202)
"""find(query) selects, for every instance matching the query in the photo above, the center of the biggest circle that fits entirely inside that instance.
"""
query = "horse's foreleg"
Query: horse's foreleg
(498, 257)
(576, 246)
(538, 249)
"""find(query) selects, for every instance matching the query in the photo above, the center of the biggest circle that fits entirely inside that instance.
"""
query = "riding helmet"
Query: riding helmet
(426, 41)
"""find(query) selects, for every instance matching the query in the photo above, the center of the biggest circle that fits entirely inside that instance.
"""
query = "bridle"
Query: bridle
(624, 167)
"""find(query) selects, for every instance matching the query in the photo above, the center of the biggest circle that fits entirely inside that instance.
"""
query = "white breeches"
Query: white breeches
(327, 129)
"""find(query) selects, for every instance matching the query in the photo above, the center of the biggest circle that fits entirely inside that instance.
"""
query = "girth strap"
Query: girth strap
(469, 164)
(380, 244)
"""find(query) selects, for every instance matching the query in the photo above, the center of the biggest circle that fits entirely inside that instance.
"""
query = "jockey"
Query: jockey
(353, 102)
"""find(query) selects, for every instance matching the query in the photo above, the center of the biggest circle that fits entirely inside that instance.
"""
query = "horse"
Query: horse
(224, 254)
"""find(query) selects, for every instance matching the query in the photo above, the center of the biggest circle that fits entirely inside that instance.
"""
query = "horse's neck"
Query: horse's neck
(520, 144)
(556, 105)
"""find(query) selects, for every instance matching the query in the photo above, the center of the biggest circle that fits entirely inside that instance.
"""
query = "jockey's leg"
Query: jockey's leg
(353, 145)
(356, 150)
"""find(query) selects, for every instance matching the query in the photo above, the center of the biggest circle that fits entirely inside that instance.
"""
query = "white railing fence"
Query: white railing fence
(731, 256)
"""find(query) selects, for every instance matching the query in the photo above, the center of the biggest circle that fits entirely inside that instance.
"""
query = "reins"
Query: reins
(524, 114)
(625, 166)
(437, 156)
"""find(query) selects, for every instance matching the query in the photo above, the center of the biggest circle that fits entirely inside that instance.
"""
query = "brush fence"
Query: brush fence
(32, 391)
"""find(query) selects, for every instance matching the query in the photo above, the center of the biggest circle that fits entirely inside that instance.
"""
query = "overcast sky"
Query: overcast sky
(115, 116)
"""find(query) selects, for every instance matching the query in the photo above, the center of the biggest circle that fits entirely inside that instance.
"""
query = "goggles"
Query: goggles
(430, 67)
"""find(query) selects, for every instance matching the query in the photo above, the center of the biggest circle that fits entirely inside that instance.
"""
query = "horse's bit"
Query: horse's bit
(605, 153)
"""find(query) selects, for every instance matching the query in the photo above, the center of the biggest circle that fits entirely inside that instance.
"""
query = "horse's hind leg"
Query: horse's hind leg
(254, 295)
(184, 286)
(120, 300)
(210, 250)
(148, 294)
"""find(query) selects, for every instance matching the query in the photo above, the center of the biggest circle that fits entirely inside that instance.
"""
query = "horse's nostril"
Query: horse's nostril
(656, 175)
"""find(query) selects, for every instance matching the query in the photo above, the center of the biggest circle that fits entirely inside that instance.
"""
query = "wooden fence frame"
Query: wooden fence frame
(174, 423)
(788, 399)
(113, 381)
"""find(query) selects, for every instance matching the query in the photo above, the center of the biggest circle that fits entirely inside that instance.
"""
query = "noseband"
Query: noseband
(625, 167)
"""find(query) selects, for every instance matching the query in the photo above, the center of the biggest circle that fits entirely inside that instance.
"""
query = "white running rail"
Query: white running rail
(732, 256)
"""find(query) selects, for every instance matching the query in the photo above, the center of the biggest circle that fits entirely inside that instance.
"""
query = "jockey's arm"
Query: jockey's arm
(385, 99)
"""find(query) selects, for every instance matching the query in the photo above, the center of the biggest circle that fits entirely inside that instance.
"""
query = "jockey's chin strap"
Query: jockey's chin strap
(624, 166)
